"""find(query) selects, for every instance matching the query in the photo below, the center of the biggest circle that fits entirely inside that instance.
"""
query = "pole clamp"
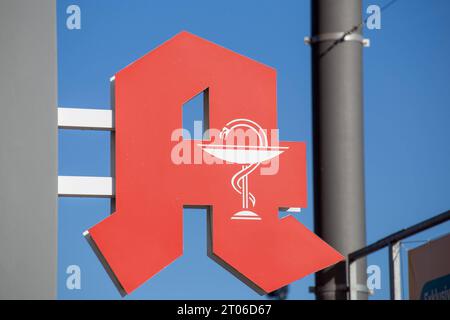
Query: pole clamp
(332, 288)
(341, 288)
(337, 36)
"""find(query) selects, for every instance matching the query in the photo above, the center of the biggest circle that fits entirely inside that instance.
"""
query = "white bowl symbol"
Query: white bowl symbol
(242, 154)
(249, 156)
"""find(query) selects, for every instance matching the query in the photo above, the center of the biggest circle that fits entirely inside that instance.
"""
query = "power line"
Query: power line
(353, 30)
(388, 5)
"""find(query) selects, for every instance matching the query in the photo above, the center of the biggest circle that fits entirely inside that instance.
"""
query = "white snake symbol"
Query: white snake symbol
(240, 179)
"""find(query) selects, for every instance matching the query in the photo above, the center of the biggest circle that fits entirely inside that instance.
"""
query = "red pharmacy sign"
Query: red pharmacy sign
(243, 182)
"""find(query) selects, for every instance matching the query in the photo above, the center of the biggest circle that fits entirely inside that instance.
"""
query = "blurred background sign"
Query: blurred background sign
(429, 270)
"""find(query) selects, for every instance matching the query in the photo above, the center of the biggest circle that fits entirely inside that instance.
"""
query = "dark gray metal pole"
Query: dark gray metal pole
(338, 140)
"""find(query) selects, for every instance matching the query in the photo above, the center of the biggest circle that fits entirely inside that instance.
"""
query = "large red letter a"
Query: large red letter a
(145, 233)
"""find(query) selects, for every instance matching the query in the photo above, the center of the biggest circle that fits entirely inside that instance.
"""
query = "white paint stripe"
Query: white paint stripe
(295, 210)
(85, 186)
(88, 119)
(237, 146)
(291, 210)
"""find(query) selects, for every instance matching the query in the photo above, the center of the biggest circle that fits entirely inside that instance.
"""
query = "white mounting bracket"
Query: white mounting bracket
(335, 36)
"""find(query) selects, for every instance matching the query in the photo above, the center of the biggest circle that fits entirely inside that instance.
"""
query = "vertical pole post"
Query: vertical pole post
(352, 288)
(395, 270)
(28, 150)
(339, 216)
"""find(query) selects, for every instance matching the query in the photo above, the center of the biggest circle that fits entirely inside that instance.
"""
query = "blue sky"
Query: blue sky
(407, 145)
